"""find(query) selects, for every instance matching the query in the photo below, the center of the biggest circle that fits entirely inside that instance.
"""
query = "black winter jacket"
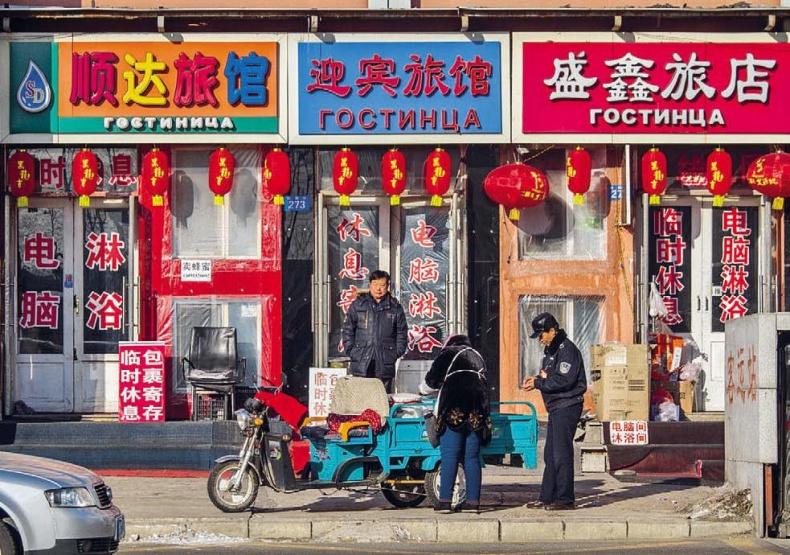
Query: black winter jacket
(566, 381)
(463, 402)
(375, 331)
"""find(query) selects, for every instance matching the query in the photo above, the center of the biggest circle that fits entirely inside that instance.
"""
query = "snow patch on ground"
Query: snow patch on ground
(186, 537)
(727, 504)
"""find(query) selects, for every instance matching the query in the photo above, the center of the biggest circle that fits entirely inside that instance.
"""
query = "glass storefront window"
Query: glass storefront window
(243, 314)
(580, 317)
(559, 229)
(203, 229)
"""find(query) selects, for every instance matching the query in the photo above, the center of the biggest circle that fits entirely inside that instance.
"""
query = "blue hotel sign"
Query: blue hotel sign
(452, 88)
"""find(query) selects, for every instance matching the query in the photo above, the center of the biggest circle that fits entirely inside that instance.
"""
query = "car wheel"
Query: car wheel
(8, 540)
(224, 496)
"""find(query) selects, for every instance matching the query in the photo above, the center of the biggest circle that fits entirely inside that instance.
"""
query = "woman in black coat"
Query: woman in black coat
(463, 418)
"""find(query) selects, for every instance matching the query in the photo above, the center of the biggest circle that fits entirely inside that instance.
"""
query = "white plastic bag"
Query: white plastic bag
(657, 307)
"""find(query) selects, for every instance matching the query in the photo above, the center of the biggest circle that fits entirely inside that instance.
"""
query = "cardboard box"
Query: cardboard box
(682, 394)
(620, 381)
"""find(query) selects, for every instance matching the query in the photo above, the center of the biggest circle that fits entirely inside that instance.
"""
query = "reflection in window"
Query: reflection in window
(580, 317)
(243, 314)
(203, 229)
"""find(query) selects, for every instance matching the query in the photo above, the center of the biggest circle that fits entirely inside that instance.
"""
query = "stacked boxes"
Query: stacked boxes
(620, 376)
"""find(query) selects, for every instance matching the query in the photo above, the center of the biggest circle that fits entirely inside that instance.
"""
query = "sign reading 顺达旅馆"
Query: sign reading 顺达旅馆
(72, 86)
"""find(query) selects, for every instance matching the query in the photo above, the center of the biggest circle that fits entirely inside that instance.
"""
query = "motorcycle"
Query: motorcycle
(393, 456)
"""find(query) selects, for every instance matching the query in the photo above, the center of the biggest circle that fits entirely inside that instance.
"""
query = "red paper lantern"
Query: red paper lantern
(21, 176)
(578, 168)
(516, 186)
(277, 174)
(393, 174)
(770, 176)
(345, 173)
(654, 174)
(85, 175)
(719, 174)
(221, 166)
(437, 175)
(156, 175)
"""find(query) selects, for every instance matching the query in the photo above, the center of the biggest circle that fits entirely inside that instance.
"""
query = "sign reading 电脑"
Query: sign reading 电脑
(150, 86)
(673, 85)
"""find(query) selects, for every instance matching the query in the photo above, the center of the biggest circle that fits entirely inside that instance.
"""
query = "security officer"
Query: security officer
(562, 383)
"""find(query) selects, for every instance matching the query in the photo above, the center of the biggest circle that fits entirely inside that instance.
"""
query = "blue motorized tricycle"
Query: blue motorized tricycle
(392, 454)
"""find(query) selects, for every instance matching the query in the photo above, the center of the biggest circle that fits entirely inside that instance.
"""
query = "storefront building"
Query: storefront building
(390, 132)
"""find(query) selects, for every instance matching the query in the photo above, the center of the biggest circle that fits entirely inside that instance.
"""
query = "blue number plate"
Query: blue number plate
(297, 203)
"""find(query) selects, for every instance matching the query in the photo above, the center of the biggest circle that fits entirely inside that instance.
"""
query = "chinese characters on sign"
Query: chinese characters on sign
(669, 252)
(628, 432)
(664, 87)
(141, 386)
(195, 270)
(322, 386)
(391, 87)
(734, 264)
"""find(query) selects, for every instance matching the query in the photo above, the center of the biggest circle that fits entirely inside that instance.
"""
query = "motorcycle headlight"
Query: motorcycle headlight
(242, 417)
(69, 497)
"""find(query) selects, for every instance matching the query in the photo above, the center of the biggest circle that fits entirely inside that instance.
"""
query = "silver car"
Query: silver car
(53, 507)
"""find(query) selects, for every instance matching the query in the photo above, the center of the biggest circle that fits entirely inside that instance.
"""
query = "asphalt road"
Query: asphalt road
(736, 546)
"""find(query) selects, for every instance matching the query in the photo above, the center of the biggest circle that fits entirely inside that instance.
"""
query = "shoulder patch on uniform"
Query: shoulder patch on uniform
(565, 367)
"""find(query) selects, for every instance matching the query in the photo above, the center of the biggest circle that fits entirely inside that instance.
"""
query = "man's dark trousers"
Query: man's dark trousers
(557, 486)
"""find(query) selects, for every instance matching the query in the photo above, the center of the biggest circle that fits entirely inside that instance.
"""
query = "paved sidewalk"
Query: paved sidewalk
(607, 509)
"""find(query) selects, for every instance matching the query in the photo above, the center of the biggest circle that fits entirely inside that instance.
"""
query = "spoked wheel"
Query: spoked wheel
(433, 485)
(404, 496)
(222, 493)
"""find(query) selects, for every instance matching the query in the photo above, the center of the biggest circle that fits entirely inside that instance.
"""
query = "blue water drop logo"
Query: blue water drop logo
(34, 93)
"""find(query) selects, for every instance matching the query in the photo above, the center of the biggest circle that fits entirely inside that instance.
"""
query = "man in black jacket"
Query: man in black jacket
(562, 382)
(375, 332)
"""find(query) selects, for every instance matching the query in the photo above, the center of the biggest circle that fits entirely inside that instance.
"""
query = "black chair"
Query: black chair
(213, 365)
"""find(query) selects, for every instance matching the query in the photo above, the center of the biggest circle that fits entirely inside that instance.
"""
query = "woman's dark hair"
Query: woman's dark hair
(457, 339)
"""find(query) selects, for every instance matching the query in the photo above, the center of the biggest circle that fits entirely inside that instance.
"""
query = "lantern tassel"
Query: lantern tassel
(85, 201)
(21, 202)
(654, 200)
(279, 200)
(514, 214)
(219, 200)
(778, 203)
(578, 199)
(436, 200)
(394, 200)
(156, 200)
(718, 201)
(345, 200)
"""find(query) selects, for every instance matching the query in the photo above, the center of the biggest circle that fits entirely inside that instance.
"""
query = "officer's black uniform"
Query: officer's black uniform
(563, 394)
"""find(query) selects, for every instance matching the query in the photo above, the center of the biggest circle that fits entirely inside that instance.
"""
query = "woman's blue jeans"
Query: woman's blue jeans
(458, 447)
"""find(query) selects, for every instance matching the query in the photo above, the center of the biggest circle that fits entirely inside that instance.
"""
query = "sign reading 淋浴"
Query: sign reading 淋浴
(651, 86)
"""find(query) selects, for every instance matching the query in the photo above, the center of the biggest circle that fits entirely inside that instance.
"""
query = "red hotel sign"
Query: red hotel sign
(654, 87)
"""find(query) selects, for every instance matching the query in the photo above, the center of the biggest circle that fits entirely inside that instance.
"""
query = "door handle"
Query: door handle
(699, 303)
(707, 309)
(76, 305)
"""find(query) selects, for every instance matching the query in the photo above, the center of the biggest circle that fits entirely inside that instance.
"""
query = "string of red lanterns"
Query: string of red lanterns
(85, 175)
(437, 175)
(21, 176)
(345, 173)
(221, 167)
(719, 174)
(578, 168)
(654, 175)
(770, 175)
(156, 175)
(277, 174)
(393, 174)
(515, 187)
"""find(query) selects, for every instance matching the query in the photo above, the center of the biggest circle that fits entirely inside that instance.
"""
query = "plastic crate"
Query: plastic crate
(211, 406)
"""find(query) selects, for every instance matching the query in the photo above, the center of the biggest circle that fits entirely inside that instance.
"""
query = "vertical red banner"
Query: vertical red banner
(141, 384)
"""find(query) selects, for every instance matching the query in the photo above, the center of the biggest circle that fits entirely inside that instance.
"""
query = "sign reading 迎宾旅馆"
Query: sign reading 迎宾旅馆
(432, 87)
(94, 85)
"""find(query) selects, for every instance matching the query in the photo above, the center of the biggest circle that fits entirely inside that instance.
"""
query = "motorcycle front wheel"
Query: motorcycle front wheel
(224, 496)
